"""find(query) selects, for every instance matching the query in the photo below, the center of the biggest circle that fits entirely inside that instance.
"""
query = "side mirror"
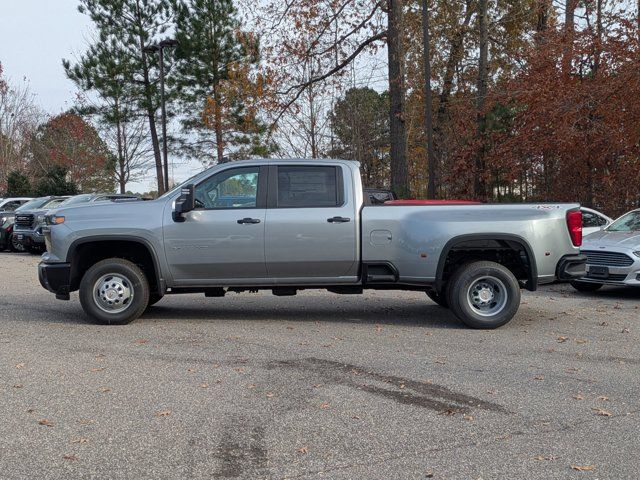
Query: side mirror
(184, 203)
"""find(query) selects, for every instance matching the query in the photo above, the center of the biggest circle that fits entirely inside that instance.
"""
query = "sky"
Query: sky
(35, 35)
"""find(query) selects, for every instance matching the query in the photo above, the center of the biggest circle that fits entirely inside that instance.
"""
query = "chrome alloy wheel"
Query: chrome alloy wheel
(113, 293)
(487, 296)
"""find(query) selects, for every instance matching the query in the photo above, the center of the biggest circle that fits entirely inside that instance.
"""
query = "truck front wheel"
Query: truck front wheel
(114, 292)
(484, 294)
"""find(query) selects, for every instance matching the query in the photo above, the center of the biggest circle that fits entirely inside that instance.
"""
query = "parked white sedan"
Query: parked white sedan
(593, 221)
(613, 255)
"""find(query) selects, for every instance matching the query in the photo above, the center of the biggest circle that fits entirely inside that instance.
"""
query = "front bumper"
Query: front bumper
(29, 238)
(572, 267)
(55, 277)
(619, 276)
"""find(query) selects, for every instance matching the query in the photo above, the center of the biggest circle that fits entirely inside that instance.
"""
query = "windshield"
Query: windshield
(77, 199)
(179, 186)
(54, 203)
(626, 223)
(33, 204)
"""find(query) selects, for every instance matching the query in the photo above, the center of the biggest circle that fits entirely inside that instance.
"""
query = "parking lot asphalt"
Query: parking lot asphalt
(384, 385)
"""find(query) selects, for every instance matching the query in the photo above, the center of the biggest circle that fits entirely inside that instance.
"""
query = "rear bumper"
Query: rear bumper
(572, 267)
(55, 277)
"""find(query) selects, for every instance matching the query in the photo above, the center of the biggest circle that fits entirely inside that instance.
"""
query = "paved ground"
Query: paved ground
(379, 386)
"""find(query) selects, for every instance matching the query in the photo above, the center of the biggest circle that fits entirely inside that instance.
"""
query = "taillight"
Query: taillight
(574, 224)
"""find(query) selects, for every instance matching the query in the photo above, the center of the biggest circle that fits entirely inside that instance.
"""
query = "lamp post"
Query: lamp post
(159, 47)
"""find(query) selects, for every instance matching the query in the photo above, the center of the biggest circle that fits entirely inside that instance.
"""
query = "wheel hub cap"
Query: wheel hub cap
(487, 296)
(113, 293)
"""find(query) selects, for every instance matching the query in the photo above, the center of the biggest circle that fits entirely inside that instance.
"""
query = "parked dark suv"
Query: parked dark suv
(28, 222)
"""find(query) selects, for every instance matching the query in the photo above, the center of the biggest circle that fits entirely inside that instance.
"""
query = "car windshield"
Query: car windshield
(33, 204)
(627, 223)
(179, 186)
(77, 199)
(54, 203)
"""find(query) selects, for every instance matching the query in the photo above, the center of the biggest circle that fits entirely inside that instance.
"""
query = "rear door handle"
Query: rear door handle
(338, 220)
(248, 220)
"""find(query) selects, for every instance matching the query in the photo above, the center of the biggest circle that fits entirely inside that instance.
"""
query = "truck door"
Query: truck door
(311, 226)
(223, 238)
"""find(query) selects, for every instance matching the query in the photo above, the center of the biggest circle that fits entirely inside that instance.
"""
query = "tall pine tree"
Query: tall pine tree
(215, 81)
(134, 24)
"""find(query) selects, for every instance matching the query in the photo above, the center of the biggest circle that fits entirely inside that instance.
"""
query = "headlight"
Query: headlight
(637, 254)
(54, 219)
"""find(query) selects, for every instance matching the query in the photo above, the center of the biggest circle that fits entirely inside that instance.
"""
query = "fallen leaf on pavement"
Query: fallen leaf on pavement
(324, 405)
(19, 366)
(98, 369)
(562, 339)
(303, 450)
(539, 377)
(204, 385)
(163, 413)
(603, 398)
(19, 385)
(602, 412)
(80, 440)
(578, 397)
(70, 457)
(548, 457)
(105, 389)
(583, 468)
(45, 422)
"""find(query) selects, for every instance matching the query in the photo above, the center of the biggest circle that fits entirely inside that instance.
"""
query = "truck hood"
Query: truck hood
(118, 212)
(611, 239)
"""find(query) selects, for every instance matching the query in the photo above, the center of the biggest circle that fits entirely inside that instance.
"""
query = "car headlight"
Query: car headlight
(54, 219)
(637, 254)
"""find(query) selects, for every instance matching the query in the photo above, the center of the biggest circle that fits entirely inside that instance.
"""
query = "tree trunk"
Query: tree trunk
(569, 26)
(151, 115)
(399, 167)
(217, 113)
(428, 112)
(483, 71)
(121, 163)
(455, 54)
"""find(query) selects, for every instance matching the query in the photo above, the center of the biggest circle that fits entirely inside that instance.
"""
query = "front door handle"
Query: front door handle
(248, 220)
(338, 220)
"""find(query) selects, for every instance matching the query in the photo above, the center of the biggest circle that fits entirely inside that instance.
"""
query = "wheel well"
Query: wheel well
(513, 254)
(87, 254)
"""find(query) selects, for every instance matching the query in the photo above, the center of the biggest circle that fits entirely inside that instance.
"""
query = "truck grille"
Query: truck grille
(24, 220)
(608, 259)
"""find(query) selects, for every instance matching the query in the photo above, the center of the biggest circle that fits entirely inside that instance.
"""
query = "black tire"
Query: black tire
(496, 299)
(586, 286)
(127, 278)
(13, 244)
(439, 298)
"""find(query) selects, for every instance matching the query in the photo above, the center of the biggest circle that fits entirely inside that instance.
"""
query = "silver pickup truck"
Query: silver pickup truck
(288, 225)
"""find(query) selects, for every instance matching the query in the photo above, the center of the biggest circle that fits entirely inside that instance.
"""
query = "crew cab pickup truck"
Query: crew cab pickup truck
(288, 225)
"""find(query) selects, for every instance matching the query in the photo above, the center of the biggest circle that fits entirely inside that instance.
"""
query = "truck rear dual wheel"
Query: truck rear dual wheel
(114, 292)
(483, 295)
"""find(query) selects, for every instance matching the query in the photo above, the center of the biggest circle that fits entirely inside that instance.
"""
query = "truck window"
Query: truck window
(233, 188)
(307, 186)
